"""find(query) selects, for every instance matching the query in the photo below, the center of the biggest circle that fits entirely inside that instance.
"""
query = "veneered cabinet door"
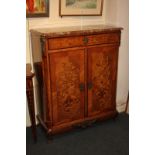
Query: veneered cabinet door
(102, 68)
(67, 85)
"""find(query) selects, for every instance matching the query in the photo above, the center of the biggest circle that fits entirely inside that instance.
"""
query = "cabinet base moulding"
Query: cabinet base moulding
(75, 124)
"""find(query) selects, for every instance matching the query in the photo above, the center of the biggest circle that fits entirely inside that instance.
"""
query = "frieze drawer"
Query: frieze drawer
(68, 42)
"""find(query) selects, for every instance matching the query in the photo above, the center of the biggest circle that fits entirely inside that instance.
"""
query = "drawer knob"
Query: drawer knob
(85, 40)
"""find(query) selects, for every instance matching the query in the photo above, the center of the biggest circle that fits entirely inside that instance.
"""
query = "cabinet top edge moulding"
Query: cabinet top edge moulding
(74, 30)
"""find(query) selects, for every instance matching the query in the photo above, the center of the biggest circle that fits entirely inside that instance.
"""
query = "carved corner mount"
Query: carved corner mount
(42, 41)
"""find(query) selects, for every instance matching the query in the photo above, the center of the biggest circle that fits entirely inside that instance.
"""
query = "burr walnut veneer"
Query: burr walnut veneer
(76, 69)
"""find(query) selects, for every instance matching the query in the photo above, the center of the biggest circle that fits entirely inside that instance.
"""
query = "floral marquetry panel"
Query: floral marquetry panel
(101, 77)
(67, 75)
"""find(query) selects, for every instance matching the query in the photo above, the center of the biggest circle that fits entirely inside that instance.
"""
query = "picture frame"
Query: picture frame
(37, 8)
(80, 7)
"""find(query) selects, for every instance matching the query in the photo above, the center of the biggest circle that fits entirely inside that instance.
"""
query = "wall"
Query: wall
(117, 13)
(110, 9)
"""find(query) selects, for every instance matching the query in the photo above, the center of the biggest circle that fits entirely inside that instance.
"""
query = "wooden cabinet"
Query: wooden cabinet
(76, 71)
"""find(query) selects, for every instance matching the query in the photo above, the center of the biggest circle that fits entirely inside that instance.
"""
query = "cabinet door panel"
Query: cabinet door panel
(102, 67)
(67, 77)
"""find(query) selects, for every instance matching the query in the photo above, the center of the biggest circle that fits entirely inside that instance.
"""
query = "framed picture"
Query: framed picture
(37, 8)
(80, 7)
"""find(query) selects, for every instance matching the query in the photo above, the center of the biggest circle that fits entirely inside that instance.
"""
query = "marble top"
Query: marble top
(74, 30)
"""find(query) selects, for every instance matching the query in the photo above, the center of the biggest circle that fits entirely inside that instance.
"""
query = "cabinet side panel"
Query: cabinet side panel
(37, 69)
(36, 48)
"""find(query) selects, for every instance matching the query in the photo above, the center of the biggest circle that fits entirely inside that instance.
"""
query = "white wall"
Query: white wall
(113, 13)
(54, 20)
(117, 13)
